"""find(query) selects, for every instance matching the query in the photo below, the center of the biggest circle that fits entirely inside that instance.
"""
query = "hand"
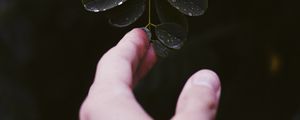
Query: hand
(111, 98)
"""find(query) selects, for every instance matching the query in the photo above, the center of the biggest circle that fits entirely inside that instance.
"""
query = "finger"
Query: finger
(121, 62)
(147, 63)
(199, 97)
(110, 96)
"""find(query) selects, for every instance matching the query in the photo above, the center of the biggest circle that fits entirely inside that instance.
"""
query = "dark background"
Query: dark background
(49, 50)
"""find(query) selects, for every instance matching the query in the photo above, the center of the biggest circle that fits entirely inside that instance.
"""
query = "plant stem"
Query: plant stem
(149, 16)
(149, 11)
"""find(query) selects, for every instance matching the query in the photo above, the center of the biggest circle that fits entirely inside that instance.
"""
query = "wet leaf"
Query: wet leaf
(168, 14)
(127, 13)
(190, 7)
(171, 35)
(160, 49)
(101, 5)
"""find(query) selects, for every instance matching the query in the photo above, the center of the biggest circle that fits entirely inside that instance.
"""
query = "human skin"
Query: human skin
(111, 98)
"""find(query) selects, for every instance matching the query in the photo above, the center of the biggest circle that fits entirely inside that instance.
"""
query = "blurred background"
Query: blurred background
(49, 50)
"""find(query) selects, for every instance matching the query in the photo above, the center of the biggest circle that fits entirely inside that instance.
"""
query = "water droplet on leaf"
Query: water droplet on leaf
(190, 7)
(101, 5)
(171, 35)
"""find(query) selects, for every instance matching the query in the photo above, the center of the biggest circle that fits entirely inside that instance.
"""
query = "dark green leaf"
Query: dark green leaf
(127, 13)
(171, 35)
(160, 49)
(190, 7)
(168, 14)
(101, 5)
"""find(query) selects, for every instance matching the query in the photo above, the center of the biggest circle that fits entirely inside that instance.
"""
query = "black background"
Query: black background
(49, 50)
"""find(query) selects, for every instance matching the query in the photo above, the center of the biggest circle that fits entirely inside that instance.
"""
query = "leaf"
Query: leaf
(168, 14)
(127, 13)
(171, 35)
(190, 7)
(101, 5)
(160, 49)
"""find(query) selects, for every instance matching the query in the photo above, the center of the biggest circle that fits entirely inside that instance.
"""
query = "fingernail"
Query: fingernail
(148, 32)
(207, 78)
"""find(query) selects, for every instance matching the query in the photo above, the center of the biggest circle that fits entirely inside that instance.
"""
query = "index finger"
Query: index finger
(111, 92)
(120, 62)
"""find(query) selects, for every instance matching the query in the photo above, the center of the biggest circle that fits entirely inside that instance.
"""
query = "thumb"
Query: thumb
(199, 98)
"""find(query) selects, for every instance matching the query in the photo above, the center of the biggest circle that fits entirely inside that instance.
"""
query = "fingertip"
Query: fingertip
(136, 35)
(144, 34)
(207, 78)
(200, 96)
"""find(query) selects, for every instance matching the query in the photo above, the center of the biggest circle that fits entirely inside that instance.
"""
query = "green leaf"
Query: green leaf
(171, 35)
(190, 7)
(160, 49)
(127, 13)
(168, 14)
(101, 5)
